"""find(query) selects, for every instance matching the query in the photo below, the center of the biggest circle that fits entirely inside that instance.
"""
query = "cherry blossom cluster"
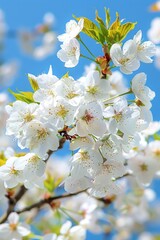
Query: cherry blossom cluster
(103, 128)
(113, 141)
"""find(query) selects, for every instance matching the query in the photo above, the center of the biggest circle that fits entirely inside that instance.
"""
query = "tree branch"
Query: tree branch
(47, 201)
(12, 201)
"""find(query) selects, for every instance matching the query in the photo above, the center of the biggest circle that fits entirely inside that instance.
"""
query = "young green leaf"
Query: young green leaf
(33, 82)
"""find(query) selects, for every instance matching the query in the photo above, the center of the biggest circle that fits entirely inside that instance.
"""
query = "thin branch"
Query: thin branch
(47, 201)
(12, 201)
(50, 152)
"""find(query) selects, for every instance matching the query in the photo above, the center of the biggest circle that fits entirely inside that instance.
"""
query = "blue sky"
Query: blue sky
(28, 13)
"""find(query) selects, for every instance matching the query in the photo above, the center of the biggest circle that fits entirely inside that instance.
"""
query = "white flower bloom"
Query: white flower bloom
(153, 150)
(41, 44)
(39, 138)
(145, 50)
(58, 112)
(72, 233)
(89, 68)
(14, 229)
(143, 93)
(69, 53)
(124, 117)
(90, 120)
(144, 119)
(103, 184)
(81, 142)
(143, 167)
(125, 58)
(69, 89)
(10, 175)
(46, 83)
(153, 32)
(152, 128)
(146, 236)
(111, 148)
(31, 164)
(73, 185)
(50, 236)
(86, 162)
(21, 114)
(8, 71)
(33, 182)
(130, 142)
(47, 46)
(72, 30)
(157, 57)
(116, 83)
(95, 88)
(9, 152)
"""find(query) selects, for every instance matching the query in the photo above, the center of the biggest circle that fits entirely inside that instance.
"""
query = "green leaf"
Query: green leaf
(125, 29)
(118, 31)
(49, 183)
(108, 18)
(33, 82)
(23, 96)
(157, 237)
(102, 25)
(156, 136)
(66, 75)
(91, 30)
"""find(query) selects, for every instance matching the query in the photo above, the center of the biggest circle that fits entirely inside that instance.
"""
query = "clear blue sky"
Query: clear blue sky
(28, 13)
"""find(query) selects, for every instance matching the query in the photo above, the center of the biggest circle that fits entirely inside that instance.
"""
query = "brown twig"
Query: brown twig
(47, 201)
(12, 201)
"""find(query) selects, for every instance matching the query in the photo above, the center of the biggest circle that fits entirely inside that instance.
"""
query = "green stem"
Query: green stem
(64, 212)
(72, 211)
(86, 48)
(120, 95)
(91, 59)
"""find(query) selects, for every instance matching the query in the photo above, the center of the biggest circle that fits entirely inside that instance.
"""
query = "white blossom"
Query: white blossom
(39, 138)
(69, 89)
(153, 32)
(31, 164)
(72, 233)
(58, 112)
(72, 30)
(125, 58)
(20, 115)
(14, 229)
(117, 83)
(145, 50)
(142, 92)
(143, 167)
(122, 116)
(90, 120)
(46, 83)
(95, 88)
(9, 174)
(70, 53)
